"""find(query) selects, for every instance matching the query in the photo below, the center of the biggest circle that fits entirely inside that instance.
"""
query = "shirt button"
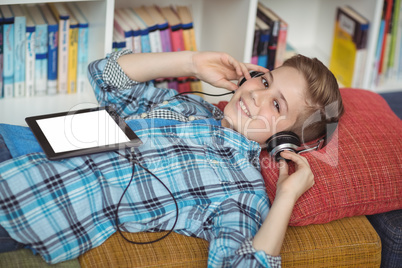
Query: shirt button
(165, 102)
(191, 118)
(215, 162)
(143, 115)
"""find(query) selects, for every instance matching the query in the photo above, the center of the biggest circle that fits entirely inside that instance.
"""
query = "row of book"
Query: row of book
(43, 49)
(349, 49)
(270, 34)
(154, 28)
(389, 44)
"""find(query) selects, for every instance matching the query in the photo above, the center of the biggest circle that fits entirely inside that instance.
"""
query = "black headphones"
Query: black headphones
(285, 140)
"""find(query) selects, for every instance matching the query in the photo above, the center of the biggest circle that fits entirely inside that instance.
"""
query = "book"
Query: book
(263, 42)
(349, 50)
(29, 54)
(144, 31)
(72, 56)
(176, 29)
(186, 19)
(135, 29)
(119, 42)
(281, 45)
(82, 54)
(19, 50)
(121, 25)
(1, 55)
(8, 51)
(256, 40)
(153, 30)
(63, 17)
(163, 27)
(387, 16)
(41, 49)
(52, 48)
(394, 44)
(270, 18)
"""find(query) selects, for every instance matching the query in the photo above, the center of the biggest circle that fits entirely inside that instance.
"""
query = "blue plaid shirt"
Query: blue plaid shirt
(64, 208)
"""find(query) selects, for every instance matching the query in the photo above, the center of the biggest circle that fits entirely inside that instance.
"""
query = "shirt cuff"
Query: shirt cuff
(113, 74)
(247, 248)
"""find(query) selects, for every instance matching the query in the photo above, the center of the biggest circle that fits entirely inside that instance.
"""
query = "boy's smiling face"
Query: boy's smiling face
(265, 105)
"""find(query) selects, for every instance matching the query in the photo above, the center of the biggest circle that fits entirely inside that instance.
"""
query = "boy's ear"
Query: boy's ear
(252, 74)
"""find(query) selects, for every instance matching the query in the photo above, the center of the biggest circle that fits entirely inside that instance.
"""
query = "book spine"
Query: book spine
(1, 60)
(145, 42)
(8, 61)
(19, 56)
(155, 39)
(62, 66)
(41, 36)
(72, 59)
(137, 41)
(30, 62)
(189, 37)
(165, 37)
(176, 35)
(53, 32)
(82, 57)
(281, 46)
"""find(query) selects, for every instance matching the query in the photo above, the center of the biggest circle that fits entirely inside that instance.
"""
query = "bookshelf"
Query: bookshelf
(220, 25)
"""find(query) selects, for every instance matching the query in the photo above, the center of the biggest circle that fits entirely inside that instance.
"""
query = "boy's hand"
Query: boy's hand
(300, 181)
(218, 69)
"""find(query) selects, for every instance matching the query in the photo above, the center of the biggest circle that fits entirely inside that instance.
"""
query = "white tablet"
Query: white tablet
(81, 132)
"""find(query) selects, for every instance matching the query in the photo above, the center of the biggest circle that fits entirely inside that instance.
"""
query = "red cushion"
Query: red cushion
(359, 172)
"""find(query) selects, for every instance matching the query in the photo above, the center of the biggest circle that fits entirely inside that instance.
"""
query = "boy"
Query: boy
(197, 171)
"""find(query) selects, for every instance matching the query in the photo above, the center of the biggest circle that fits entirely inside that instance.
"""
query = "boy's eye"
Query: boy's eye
(264, 82)
(276, 104)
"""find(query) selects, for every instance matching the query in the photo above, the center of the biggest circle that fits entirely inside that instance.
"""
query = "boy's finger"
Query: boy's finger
(298, 159)
(258, 68)
(283, 168)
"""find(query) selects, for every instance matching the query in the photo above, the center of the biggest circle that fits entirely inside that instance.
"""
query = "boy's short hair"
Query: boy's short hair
(323, 98)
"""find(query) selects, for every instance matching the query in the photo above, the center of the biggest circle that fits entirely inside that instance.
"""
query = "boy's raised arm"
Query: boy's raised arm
(215, 68)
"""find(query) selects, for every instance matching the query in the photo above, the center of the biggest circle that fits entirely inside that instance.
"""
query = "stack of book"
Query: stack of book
(44, 49)
(269, 47)
(349, 47)
(155, 28)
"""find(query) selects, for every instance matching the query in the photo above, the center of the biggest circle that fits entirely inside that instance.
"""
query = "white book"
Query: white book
(8, 51)
(124, 28)
(63, 17)
(136, 32)
(19, 50)
(41, 35)
(29, 55)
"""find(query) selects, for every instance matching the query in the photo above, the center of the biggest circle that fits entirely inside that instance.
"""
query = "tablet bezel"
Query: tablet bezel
(134, 140)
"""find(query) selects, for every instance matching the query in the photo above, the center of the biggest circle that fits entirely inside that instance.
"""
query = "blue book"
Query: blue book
(29, 54)
(19, 50)
(8, 52)
(82, 55)
(41, 48)
(52, 48)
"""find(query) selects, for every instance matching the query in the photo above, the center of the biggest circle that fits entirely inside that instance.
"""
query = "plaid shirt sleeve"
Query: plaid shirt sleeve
(114, 88)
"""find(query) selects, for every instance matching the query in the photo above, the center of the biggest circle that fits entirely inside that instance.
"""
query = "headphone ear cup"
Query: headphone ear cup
(284, 140)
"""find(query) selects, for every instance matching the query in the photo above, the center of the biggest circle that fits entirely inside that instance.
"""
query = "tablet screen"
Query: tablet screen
(81, 132)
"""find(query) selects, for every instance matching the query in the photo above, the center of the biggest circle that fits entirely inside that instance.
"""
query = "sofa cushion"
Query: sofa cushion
(343, 243)
(358, 172)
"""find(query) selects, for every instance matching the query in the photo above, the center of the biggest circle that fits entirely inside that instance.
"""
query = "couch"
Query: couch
(352, 216)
